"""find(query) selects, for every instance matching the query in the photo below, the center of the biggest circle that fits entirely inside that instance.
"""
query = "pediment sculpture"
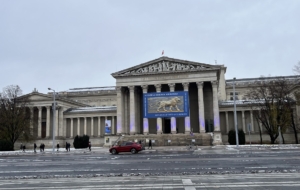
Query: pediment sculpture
(165, 66)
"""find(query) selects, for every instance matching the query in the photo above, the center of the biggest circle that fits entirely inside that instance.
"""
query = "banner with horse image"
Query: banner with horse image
(166, 104)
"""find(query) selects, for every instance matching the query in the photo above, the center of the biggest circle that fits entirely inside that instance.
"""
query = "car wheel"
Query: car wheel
(133, 151)
(114, 151)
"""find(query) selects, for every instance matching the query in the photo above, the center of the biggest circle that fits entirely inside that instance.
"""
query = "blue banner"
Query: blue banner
(166, 104)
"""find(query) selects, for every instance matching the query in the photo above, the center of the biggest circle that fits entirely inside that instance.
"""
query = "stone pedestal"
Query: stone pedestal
(217, 138)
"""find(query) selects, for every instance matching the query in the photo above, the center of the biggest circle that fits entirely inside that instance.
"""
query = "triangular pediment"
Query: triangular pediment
(165, 65)
(40, 97)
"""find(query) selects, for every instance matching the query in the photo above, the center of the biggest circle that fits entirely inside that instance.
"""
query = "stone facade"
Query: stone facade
(85, 110)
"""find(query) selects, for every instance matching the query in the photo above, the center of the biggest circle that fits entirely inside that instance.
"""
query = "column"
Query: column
(145, 120)
(113, 131)
(173, 119)
(227, 123)
(158, 120)
(61, 130)
(56, 122)
(78, 126)
(31, 120)
(132, 110)
(48, 130)
(40, 122)
(92, 126)
(201, 107)
(120, 107)
(216, 106)
(99, 126)
(64, 127)
(71, 132)
(84, 126)
(187, 120)
(251, 117)
(243, 119)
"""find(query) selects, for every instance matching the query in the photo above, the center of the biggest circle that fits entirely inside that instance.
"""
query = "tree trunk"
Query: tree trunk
(294, 129)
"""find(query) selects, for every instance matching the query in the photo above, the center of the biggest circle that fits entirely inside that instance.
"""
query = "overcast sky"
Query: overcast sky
(71, 44)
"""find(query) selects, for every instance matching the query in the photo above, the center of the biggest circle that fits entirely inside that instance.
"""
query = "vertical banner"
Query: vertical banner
(108, 127)
(166, 104)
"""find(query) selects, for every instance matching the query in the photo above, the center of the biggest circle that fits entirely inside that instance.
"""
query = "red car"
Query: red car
(126, 147)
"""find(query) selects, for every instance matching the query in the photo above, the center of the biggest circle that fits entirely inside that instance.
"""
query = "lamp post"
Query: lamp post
(235, 118)
(53, 128)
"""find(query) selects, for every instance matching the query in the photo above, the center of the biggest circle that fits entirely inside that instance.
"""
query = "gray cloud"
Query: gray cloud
(65, 44)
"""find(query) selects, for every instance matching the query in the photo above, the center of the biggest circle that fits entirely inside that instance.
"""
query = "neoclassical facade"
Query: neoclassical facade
(87, 110)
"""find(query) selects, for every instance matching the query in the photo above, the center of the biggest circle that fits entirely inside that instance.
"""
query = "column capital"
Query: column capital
(131, 88)
(118, 89)
(145, 88)
(214, 83)
(200, 84)
(158, 87)
(185, 86)
(171, 86)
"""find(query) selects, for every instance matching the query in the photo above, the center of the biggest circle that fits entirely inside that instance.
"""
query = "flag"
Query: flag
(162, 53)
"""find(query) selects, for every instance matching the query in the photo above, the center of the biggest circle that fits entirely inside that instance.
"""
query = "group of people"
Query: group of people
(22, 147)
(68, 146)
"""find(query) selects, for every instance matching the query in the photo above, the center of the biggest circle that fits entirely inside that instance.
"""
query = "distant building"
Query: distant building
(103, 113)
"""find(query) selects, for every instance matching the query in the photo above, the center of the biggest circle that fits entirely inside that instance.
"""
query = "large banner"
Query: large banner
(166, 104)
(108, 127)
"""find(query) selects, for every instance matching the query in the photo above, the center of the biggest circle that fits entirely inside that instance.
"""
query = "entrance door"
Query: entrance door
(167, 125)
(43, 129)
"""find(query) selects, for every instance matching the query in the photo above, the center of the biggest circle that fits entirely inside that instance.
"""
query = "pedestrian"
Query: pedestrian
(140, 141)
(57, 146)
(69, 146)
(34, 147)
(90, 145)
(150, 144)
(24, 147)
(43, 147)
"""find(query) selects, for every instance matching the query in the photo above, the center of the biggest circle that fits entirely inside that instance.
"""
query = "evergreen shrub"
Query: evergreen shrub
(81, 141)
(6, 145)
(232, 139)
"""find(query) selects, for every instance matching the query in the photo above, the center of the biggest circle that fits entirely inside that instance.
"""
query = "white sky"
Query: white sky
(71, 44)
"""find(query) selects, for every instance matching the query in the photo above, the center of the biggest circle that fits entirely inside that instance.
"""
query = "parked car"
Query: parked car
(126, 147)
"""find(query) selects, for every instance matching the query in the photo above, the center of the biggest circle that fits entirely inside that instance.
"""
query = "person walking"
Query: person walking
(57, 146)
(34, 147)
(24, 147)
(150, 144)
(90, 146)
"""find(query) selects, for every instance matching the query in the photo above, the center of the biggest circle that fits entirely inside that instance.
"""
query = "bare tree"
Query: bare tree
(14, 115)
(272, 100)
(296, 68)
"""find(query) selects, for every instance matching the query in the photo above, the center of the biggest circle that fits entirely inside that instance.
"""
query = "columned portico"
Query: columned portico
(132, 125)
(145, 120)
(159, 119)
(217, 133)
(201, 107)
(187, 122)
(173, 119)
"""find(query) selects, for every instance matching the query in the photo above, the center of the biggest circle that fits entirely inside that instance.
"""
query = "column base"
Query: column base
(146, 133)
(217, 138)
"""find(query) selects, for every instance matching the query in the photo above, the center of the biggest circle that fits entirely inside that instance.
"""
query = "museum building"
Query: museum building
(106, 113)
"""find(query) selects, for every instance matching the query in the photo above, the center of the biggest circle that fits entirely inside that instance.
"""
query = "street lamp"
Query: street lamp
(53, 128)
(235, 118)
